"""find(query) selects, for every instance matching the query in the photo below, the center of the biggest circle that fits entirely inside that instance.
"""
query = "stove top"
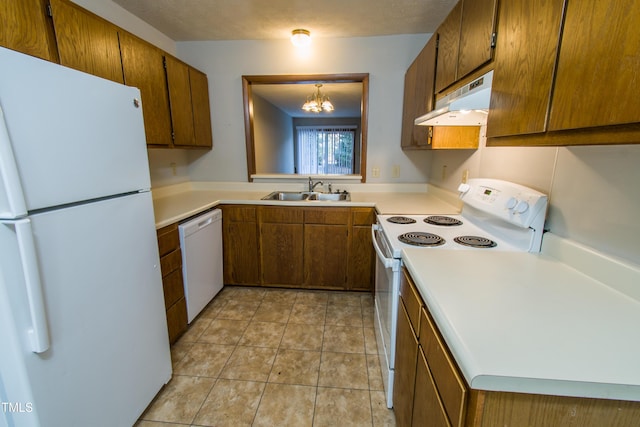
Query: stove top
(466, 234)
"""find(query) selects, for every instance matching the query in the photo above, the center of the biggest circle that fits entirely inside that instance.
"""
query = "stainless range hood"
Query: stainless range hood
(466, 106)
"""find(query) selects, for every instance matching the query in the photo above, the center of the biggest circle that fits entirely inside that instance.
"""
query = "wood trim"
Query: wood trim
(247, 98)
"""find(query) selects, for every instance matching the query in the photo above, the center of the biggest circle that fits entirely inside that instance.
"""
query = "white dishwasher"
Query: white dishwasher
(201, 246)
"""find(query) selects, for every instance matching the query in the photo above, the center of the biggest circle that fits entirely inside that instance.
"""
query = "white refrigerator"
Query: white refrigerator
(83, 332)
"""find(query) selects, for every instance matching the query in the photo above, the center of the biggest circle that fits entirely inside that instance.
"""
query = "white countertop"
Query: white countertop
(531, 323)
(183, 201)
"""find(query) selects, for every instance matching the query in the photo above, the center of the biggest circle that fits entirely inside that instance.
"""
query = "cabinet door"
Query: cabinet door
(143, 66)
(325, 263)
(27, 29)
(405, 369)
(180, 102)
(427, 407)
(201, 109)
(282, 254)
(597, 78)
(524, 66)
(455, 137)
(448, 46)
(418, 96)
(361, 260)
(240, 245)
(86, 42)
(476, 35)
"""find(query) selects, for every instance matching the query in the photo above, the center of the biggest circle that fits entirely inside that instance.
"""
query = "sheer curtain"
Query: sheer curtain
(325, 149)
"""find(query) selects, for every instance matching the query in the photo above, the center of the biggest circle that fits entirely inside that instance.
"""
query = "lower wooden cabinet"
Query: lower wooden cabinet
(281, 245)
(299, 247)
(428, 388)
(405, 371)
(240, 244)
(172, 284)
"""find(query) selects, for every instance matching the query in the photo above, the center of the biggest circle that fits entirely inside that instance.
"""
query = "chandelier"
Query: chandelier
(316, 102)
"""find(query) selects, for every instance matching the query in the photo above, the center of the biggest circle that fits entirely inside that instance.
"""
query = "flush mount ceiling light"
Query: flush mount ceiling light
(300, 37)
(317, 102)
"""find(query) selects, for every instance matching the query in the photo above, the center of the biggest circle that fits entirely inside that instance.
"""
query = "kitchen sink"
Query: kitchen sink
(291, 196)
(298, 196)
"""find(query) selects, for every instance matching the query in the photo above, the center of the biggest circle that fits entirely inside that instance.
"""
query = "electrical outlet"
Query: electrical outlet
(375, 172)
(396, 171)
(444, 172)
(465, 176)
(172, 165)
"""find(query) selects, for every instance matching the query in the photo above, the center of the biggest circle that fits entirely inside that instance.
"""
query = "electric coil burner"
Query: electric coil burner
(442, 220)
(401, 220)
(421, 239)
(475, 241)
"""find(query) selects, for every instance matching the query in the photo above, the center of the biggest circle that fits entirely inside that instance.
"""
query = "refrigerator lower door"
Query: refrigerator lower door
(104, 307)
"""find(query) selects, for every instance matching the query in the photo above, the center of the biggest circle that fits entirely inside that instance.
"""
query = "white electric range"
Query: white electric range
(496, 216)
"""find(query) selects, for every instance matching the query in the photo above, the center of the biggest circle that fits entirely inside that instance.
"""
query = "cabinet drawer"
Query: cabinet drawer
(450, 384)
(171, 262)
(412, 301)
(239, 213)
(334, 216)
(288, 215)
(173, 287)
(168, 239)
(177, 320)
(363, 216)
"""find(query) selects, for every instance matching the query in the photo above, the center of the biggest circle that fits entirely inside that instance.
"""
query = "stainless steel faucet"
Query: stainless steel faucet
(313, 185)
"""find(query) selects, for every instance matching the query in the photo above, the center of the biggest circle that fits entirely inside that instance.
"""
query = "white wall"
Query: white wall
(273, 135)
(384, 58)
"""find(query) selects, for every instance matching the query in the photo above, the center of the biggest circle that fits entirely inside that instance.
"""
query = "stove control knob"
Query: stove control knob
(522, 207)
(512, 202)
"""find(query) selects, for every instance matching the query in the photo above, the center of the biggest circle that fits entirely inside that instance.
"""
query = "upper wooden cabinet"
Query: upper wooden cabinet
(419, 100)
(180, 101)
(27, 29)
(465, 40)
(526, 50)
(189, 100)
(86, 42)
(201, 110)
(143, 66)
(566, 79)
(448, 45)
(597, 80)
(418, 96)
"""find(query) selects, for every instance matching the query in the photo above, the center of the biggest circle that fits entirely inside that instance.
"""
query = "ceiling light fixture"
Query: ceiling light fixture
(300, 37)
(317, 102)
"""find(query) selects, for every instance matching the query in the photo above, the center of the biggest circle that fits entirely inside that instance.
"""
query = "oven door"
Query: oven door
(387, 289)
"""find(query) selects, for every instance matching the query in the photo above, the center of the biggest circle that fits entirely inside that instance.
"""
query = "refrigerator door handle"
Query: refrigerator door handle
(39, 331)
(9, 176)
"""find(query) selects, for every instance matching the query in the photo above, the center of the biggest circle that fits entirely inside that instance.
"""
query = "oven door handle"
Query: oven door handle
(388, 262)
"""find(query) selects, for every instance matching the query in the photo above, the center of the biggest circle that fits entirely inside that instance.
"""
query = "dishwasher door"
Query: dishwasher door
(201, 246)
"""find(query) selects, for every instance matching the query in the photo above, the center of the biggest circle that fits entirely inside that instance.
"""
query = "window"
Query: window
(325, 149)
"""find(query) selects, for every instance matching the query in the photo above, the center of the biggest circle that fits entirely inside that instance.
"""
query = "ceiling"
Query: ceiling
(345, 97)
(188, 20)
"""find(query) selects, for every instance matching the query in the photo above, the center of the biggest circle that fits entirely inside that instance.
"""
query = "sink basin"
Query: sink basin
(298, 196)
(291, 196)
(338, 197)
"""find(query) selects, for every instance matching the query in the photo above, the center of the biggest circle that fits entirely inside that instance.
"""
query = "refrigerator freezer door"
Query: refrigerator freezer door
(74, 136)
(102, 286)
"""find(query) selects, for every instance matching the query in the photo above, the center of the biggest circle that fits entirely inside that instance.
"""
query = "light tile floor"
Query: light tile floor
(273, 357)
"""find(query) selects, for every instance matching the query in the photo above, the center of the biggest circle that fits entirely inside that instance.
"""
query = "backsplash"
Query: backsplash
(592, 189)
